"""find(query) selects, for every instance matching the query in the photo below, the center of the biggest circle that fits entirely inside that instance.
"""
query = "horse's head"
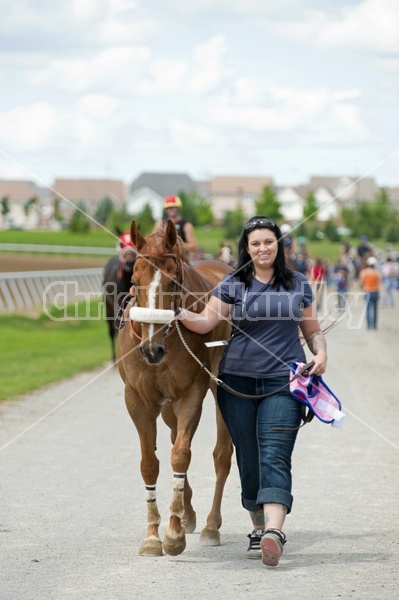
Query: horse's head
(127, 257)
(157, 280)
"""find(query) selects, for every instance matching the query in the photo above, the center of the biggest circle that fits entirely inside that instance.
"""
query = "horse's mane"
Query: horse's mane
(157, 248)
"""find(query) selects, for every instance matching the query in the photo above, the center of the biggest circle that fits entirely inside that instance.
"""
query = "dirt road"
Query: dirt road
(73, 503)
(10, 263)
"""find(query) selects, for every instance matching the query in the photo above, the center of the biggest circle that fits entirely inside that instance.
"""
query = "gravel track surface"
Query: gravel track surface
(73, 503)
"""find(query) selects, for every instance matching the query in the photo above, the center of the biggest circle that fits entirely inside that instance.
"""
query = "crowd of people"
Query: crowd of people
(350, 272)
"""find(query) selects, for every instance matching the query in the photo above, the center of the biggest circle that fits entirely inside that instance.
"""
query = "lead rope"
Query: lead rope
(227, 387)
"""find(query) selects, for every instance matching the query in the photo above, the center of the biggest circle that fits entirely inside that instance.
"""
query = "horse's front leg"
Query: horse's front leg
(149, 466)
(189, 518)
(175, 534)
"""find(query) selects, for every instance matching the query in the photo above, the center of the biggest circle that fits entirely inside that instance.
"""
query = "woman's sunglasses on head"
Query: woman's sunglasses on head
(253, 224)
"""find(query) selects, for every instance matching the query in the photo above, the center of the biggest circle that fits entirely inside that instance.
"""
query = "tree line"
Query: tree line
(377, 219)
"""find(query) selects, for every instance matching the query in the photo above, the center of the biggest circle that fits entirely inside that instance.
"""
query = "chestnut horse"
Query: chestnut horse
(161, 377)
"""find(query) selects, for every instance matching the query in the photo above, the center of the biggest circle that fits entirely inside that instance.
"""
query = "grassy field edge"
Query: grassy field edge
(37, 351)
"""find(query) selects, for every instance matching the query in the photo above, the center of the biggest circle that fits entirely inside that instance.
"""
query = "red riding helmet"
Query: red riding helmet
(171, 201)
(125, 240)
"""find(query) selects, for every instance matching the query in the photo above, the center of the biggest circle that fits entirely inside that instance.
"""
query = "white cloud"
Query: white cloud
(348, 117)
(83, 11)
(210, 69)
(296, 111)
(133, 82)
(185, 133)
(115, 68)
(28, 127)
(247, 91)
(388, 63)
(87, 134)
(98, 106)
(282, 110)
(236, 8)
(166, 77)
(370, 25)
(115, 30)
(197, 74)
(342, 95)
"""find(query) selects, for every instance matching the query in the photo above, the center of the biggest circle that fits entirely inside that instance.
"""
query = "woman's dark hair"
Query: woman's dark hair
(283, 276)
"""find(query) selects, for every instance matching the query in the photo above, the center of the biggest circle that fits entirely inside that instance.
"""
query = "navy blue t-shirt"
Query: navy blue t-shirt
(265, 339)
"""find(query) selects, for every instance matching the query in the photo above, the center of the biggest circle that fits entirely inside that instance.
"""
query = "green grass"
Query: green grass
(38, 351)
(209, 239)
(324, 249)
(96, 238)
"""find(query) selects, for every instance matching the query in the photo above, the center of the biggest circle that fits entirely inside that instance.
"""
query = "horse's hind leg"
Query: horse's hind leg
(222, 453)
(189, 519)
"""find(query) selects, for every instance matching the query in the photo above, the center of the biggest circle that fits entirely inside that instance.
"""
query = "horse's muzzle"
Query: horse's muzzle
(153, 353)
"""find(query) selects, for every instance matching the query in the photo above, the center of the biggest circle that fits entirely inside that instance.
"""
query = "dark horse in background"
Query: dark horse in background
(116, 283)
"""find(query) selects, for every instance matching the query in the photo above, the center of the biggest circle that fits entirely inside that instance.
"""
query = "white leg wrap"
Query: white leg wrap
(153, 516)
(177, 506)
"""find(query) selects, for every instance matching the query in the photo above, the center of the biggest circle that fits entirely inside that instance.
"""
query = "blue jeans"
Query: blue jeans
(263, 456)
(371, 309)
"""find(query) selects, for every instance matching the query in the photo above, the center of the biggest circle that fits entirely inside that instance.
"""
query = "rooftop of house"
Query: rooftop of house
(19, 191)
(364, 188)
(90, 189)
(164, 184)
(227, 184)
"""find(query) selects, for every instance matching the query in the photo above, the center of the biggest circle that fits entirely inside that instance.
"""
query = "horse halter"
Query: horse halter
(178, 279)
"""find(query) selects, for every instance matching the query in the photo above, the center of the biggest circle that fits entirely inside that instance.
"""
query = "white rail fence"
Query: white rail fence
(22, 291)
(47, 249)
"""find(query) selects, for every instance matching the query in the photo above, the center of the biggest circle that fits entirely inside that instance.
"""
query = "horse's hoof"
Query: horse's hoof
(190, 523)
(174, 543)
(151, 546)
(210, 537)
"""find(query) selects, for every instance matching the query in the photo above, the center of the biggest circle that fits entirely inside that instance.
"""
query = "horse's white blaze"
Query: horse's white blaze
(150, 332)
(152, 288)
(152, 291)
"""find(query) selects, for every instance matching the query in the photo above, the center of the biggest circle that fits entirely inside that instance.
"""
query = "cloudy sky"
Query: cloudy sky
(112, 88)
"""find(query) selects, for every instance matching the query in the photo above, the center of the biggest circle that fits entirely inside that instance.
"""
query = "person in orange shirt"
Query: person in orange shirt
(370, 282)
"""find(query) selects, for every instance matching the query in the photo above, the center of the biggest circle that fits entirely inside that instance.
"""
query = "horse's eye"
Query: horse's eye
(171, 285)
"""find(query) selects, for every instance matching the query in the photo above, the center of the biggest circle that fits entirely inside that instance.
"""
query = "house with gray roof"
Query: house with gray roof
(151, 188)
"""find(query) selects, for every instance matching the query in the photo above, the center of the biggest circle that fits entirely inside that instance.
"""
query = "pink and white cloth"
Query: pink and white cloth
(312, 391)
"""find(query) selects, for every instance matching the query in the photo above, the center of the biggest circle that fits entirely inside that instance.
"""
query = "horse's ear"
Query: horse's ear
(170, 234)
(137, 238)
